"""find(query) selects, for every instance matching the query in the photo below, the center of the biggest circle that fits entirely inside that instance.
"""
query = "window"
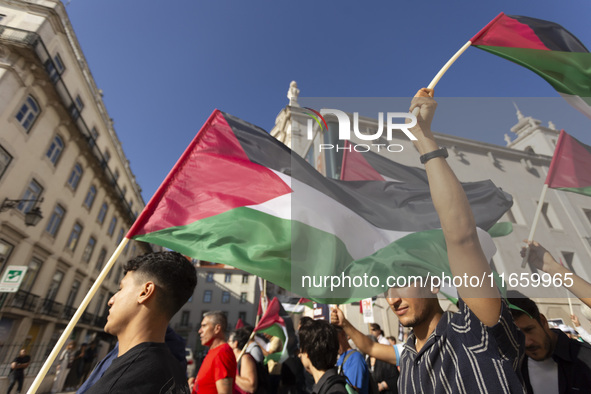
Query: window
(124, 191)
(89, 199)
(5, 159)
(74, 237)
(106, 157)
(59, 64)
(32, 193)
(73, 293)
(225, 297)
(88, 249)
(55, 68)
(100, 304)
(586, 211)
(75, 176)
(120, 236)
(54, 286)
(28, 113)
(185, 315)
(116, 175)
(100, 260)
(33, 269)
(243, 298)
(207, 296)
(209, 277)
(112, 226)
(55, 220)
(55, 150)
(245, 278)
(130, 203)
(568, 259)
(93, 136)
(242, 316)
(76, 107)
(117, 277)
(228, 278)
(102, 213)
(550, 217)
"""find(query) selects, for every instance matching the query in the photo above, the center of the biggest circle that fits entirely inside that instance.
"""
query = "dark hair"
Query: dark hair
(519, 300)
(390, 338)
(305, 320)
(375, 326)
(318, 339)
(241, 336)
(173, 274)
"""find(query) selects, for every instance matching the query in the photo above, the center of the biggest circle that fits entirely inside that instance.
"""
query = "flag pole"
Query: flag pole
(532, 231)
(70, 327)
(443, 70)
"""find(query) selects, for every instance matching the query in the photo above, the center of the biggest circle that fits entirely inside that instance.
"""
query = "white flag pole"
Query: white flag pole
(443, 70)
(535, 223)
(70, 327)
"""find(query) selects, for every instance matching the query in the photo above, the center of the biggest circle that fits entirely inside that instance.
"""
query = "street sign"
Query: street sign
(12, 278)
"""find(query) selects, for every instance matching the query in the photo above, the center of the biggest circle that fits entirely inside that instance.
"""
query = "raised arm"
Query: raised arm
(364, 344)
(541, 259)
(466, 258)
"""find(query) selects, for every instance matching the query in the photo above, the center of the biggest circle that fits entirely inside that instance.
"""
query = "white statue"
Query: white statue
(293, 93)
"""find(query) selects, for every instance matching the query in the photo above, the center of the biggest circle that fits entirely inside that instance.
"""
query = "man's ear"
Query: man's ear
(147, 292)
(217, 328)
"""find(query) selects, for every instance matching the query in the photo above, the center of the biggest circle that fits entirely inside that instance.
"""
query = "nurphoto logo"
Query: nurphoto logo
(345, 129)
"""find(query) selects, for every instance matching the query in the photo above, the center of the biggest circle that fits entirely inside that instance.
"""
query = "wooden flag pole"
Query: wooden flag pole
(535, 223)
(70, 327)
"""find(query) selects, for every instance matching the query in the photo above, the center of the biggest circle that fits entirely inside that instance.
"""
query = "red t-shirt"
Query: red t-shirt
(219, 363)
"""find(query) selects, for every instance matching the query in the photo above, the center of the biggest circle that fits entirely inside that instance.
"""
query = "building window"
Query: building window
(55, 220)
(112, 226)
(586, 211)
(120, 236)
(54, 286)
(244, 278)
(242, 316)
(209, 277)
(89, 199)
(124, 192)
(243, 298)
(119, 275)
(73, 293)
(75, 176)
(55, 149)
(116, 175)
(225, 297)
(207, 296)
(74, 237)
(228, 278)
(568, 259)
(76, 107)
(550, 217)
(88, 249)
(33, 269)
(5, 159)
(28, 113)
(185, 315)
(102, 213)
(32, 193)
(55, 68)
(93, 136)
(100, 260)
(106, 157)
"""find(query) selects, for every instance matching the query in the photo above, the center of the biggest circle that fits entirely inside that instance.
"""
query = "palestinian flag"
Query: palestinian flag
(545, 48)
(299, 307)
(239, 324)
(273, 324)
(569, 170)
(238, 196)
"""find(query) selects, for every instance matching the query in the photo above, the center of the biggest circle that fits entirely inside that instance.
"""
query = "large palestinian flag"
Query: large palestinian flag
(569, 170)
(238, 196)
(545, 48)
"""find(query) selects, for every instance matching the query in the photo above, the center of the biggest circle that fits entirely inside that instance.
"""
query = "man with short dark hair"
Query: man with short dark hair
(319, 348)
(377, 332)
(218, 369)
(154, 288)
(555, 363)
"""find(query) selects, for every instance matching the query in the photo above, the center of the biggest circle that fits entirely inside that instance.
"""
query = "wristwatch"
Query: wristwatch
(441, 152)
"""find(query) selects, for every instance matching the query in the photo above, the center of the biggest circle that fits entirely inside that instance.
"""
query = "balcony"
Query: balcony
(21, 300)
(50, 308)
(68, 312)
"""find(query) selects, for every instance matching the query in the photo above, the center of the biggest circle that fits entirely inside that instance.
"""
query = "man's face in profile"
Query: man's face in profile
(123, 304)
(412, 304)
(207, 332)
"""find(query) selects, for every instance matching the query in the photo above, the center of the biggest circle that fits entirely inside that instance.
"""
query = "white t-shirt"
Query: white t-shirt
(543, 376)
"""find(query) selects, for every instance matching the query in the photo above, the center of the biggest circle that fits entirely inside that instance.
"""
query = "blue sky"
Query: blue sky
(164, 66)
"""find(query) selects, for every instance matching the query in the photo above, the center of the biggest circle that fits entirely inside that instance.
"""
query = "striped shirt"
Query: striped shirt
(463, 355)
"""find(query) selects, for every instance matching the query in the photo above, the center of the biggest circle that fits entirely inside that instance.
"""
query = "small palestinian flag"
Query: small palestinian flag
(273, 324)
(569, 170)
(238, 196)
(545, 48)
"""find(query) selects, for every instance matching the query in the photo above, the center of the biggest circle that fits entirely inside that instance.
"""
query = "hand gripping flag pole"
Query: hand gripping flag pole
(70, 327)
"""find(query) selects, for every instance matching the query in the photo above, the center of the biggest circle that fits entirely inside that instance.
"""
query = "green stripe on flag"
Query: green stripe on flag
(586, 191)
(567, 72)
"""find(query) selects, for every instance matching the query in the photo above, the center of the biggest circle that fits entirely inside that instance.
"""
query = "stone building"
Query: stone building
(59, 153)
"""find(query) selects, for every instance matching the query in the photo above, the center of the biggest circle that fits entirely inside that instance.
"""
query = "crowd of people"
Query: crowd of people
(491, 344)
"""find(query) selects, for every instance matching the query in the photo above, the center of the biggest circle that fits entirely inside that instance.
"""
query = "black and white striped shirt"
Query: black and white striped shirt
(463, 355)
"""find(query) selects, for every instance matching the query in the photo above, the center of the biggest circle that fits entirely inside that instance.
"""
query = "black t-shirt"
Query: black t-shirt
(21, 360)
(146, 368)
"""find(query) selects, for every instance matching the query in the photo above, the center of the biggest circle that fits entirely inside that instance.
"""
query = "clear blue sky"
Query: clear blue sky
(164, 66)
